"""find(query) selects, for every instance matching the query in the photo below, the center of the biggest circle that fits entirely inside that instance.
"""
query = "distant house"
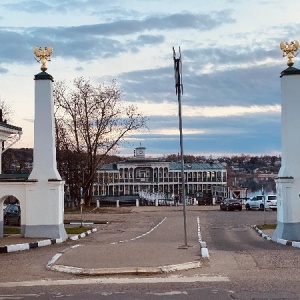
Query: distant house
(277, 163)
(237, 169)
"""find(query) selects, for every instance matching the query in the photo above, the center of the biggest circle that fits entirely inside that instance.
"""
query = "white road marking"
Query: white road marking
(138, 237)
(59, 254)
(17, 296)
(172, 293)
(115, 280)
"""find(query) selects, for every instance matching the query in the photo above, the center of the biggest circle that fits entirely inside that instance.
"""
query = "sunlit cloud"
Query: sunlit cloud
(171, 132)
(175, 131)
(171, 109)
(212, 68)
(228, 111)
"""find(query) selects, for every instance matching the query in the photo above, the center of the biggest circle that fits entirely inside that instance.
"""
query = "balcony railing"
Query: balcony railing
(162, 180)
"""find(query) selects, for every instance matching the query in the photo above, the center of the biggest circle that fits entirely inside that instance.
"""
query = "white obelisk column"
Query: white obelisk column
(45, 199)
(288, 181)
(44, 152)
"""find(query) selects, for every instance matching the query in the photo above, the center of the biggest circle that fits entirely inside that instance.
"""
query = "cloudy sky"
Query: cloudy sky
(231, 65)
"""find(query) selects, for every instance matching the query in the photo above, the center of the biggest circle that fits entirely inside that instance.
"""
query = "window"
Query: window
(95, 189)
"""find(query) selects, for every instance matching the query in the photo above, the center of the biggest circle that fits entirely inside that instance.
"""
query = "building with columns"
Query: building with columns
(7, 132)
(141, 173)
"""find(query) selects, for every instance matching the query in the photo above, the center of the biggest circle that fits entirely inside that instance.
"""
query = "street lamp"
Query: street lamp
(179, 91)
(264, 197)
(81, 204)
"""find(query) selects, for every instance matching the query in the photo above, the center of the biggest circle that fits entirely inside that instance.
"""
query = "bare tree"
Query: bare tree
(91, 121)
(6, 111)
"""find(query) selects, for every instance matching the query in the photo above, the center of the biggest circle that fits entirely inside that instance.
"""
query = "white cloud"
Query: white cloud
(171, 109)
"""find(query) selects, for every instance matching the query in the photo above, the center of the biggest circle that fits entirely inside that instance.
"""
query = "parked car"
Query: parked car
(262, 202)
(231, 204)
(12, 214)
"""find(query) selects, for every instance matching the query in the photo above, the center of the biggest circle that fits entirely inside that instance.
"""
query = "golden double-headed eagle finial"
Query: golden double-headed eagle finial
(288, 50)
(43, 55)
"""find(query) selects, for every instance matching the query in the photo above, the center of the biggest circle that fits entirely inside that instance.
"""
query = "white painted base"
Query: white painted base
(46, 231)
(287, 231)
(45, 210)
(42, 208)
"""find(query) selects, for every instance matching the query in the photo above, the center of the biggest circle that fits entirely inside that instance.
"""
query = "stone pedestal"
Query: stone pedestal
(45, 210)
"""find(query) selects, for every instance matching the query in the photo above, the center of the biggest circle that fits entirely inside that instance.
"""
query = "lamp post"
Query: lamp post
(264, 197)
(81, 205)
(179, 91)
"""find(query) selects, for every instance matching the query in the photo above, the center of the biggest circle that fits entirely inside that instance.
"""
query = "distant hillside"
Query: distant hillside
(17, 161)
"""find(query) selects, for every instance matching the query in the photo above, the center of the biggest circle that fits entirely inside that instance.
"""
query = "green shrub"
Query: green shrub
(266, 226)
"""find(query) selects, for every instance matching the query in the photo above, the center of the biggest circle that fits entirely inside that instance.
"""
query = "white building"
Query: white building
(7, 132)
(141, 173)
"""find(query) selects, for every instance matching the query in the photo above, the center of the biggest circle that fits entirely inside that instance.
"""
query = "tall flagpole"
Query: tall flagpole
(179, 91)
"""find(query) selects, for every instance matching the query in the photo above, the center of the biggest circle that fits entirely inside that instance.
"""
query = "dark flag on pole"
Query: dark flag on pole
(178, 72)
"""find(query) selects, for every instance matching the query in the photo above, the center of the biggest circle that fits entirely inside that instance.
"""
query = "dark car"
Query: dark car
(12, 214)
(231, 204)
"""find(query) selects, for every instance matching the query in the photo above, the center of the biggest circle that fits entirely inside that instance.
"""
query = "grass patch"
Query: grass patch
(267, 226)
(78, 230)
(67, 222)
(99, 210)
(70, 230)
(12, 230)
(77, 210)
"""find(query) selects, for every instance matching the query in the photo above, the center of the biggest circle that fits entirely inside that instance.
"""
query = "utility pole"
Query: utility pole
(179, 92)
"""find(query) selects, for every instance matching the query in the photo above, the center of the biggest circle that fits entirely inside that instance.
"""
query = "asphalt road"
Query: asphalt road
(253, 268)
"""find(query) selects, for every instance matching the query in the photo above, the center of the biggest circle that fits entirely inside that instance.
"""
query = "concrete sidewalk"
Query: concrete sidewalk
(148, 246)
(125, 259)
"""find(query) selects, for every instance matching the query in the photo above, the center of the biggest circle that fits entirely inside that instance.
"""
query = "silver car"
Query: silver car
(262, 202)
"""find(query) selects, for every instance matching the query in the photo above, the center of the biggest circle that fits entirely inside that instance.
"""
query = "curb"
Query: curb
(121, 271)
(42, 243)
(262, 234)
(203, 248)
(279, 241)
(82, 235)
